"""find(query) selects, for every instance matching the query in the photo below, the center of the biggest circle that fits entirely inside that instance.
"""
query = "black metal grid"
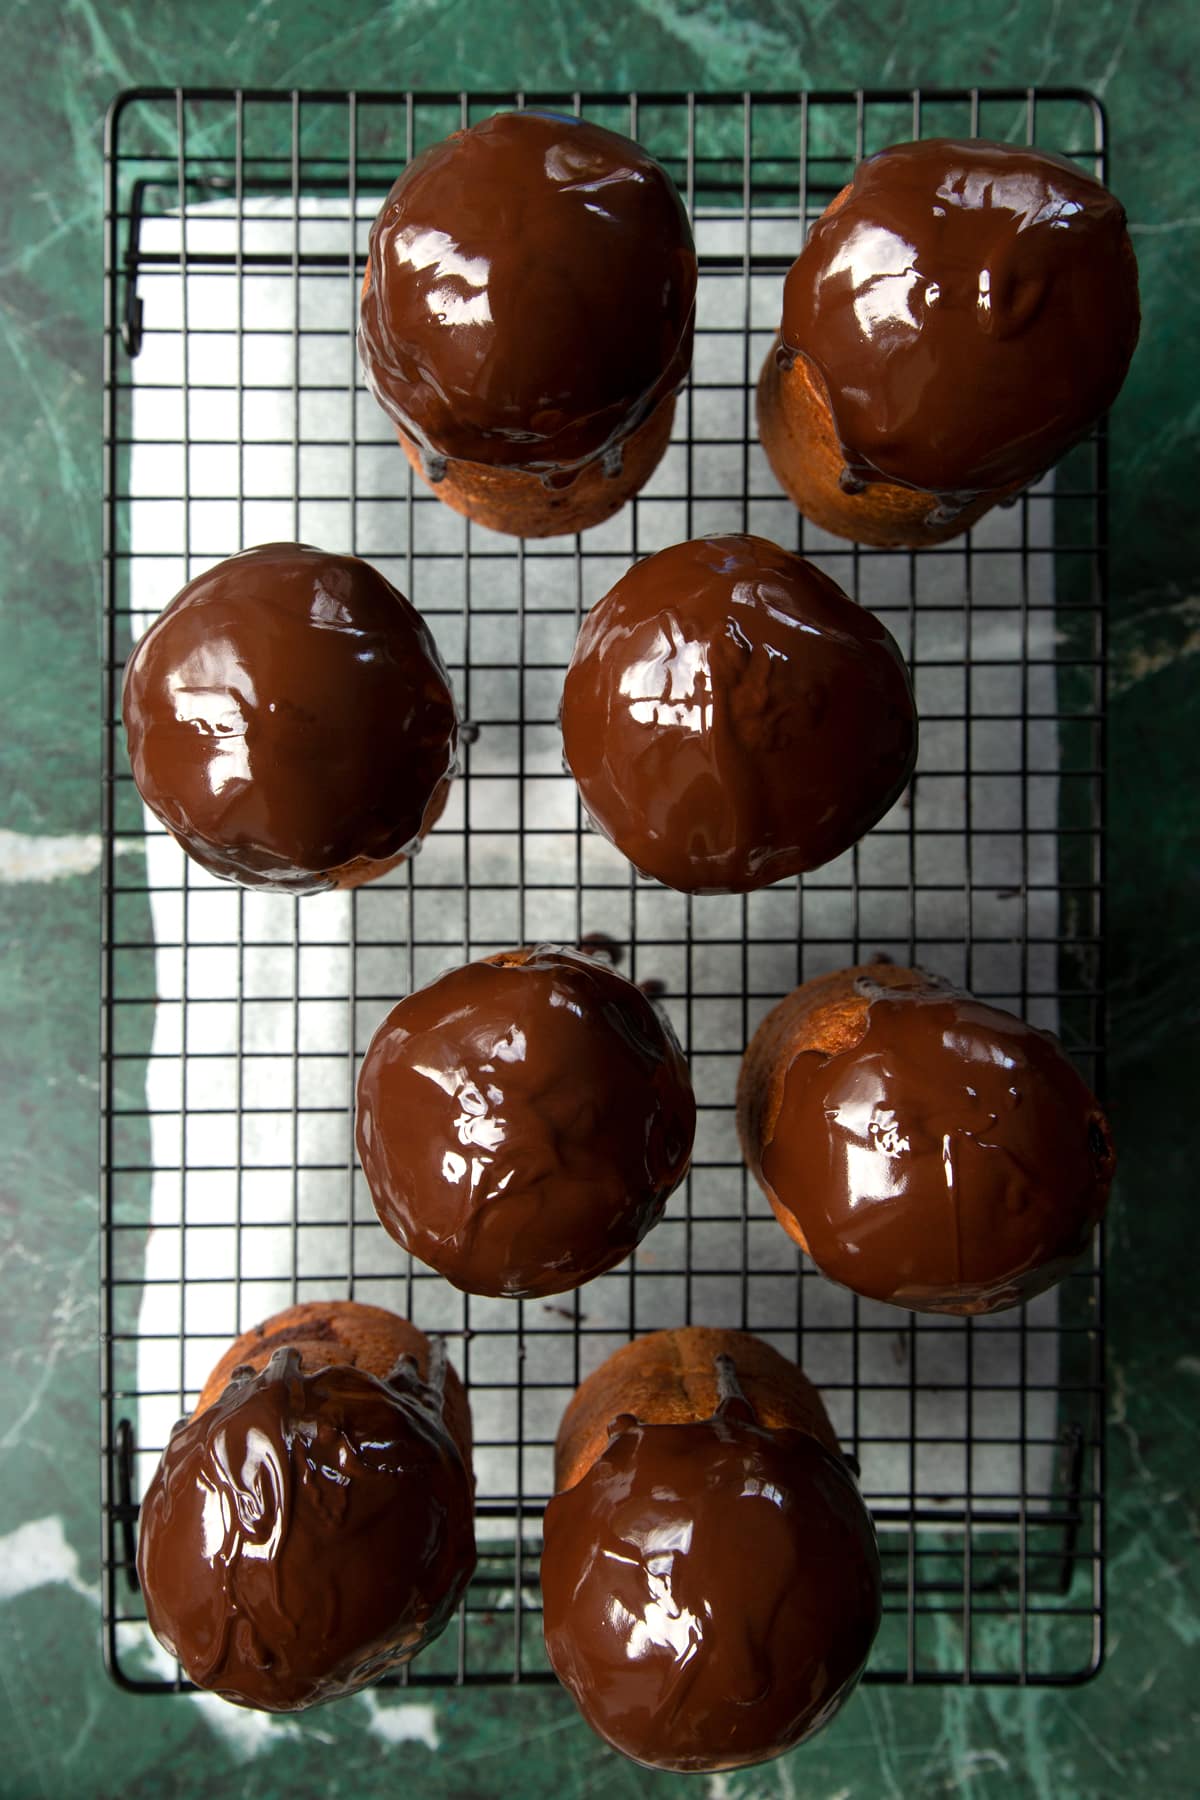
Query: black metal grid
(984, 1441)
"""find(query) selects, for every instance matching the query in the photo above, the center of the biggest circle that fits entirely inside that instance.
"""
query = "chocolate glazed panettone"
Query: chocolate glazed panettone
(710, 1577)
(922, 1147)
(290, 721)
(311, 1526)
(733, 718)
(527, 318)
(962, 313)
(523, 1120)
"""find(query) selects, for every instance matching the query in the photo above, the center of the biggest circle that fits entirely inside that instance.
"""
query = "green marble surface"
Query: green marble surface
(66, 1730)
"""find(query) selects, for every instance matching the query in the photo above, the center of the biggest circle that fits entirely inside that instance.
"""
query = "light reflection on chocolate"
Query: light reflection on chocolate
(290, 721)
(971, 309)
(522, 1121)
(948, 1159)
(530, 295)
(710, 1590)
(306, 1534)
(733, 718)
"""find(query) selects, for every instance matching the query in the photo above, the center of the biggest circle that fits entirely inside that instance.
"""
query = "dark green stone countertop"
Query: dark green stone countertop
(67, 1731)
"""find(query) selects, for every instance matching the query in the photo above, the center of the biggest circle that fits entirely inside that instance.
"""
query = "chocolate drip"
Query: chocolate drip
(971, 309)
(951, 1159)
(289, 717)
(711, 1590)
(405, 1376)
(732, 717)
(305, 1534)
(530, 295)
(729, 1388)
(945, 512)
(433, 467)
(522, 1122)
(614, 461)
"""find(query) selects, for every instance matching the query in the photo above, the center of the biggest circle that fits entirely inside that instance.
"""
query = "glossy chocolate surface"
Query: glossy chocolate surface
(306, 1534)
(951, 1160)
(287, 716)
(711, 1591)
(971, 309)
(732, 717)
(531, 294)
(522, 1124)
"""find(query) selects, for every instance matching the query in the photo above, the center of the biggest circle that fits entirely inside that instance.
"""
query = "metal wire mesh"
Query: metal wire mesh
(232, 1022)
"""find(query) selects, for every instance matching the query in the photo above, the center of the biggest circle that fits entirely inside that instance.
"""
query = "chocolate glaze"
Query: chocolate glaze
(952, 1160)
(289, 719)
(522, 1122)
(710, 1591)
(530, 295)
(306, 1533)
(733, 718)
(971, 309)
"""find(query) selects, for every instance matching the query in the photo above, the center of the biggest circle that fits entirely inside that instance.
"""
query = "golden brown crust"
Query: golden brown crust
(327, 1332)
(828, 1014)
(518, 503)
(797, 432)
(670, 1378)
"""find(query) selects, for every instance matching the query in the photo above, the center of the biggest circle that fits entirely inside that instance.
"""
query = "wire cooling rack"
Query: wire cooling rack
(232, 1022)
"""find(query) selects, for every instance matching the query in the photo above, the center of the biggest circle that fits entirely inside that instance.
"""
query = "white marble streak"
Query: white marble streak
(28, 857)
(37, 1554)
(246, 1734)
(409, 1722)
